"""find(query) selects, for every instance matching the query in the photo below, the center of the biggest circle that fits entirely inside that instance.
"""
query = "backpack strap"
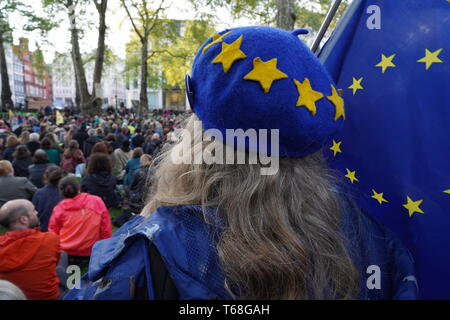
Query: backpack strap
(163, 286)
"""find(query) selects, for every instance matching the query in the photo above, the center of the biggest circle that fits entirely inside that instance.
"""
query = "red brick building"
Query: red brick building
(38, 84)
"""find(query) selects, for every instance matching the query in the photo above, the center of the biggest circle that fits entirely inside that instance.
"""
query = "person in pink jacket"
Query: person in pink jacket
(81, 219)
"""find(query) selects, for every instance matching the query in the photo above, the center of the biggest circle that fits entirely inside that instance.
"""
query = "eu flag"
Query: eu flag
(391, 58)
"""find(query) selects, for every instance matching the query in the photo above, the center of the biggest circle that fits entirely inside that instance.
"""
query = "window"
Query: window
(152, 100)
(174, 100)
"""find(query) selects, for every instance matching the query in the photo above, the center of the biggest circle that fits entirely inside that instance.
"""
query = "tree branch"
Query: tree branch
(134, 4)
(168, 52)
(97, 5)
(132, 21)
(155, 17)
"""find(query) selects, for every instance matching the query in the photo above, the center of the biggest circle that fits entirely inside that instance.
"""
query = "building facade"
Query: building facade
(19, 80)
(154, 96)
(38, 85)
(63, 82)
(15, 76)
(112, 90)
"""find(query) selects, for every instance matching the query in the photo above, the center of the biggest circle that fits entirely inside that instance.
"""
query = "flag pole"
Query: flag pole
(325, 24)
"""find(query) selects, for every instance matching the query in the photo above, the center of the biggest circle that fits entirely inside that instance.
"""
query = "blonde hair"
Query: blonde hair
(145, 160)
(282, 236)
(12, 141)
(5, 167)
(24, 137)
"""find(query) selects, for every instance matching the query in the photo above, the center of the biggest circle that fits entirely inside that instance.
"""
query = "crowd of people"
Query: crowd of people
(59, 183)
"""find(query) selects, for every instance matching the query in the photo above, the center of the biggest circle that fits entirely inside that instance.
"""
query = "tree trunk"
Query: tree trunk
(77, 92)
(80, 75)
(6, 100)
(143, 106)
(286, 14)
(98, 69)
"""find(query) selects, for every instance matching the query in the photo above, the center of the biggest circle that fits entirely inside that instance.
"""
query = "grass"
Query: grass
(114, 213)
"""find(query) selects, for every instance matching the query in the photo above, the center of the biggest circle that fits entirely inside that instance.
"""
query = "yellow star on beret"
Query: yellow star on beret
(230, 53)
(307, 96)
(215, 39)
(265, 72)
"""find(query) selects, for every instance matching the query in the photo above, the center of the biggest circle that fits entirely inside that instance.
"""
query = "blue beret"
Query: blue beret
(265, 78)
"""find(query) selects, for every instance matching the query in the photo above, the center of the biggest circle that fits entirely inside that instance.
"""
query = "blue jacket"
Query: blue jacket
(187, 246)
(130, 168)
(44, 200)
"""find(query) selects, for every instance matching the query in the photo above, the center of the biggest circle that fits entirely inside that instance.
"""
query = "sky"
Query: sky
(119, 27)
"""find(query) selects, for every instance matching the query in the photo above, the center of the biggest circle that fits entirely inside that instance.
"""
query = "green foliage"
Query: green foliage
(309, 13)
(132, 61)
(84, 16)
(173, 46)
(31, 21)
(60, 63)
(109, 59)
(180, 52)
(38, 63)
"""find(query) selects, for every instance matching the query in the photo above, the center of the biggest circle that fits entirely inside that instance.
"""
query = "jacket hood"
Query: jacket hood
(91, 139)
(102, 179)
(77, 203)
(18, 247)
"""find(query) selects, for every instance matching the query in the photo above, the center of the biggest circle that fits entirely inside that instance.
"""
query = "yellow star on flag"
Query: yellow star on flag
(338, 103)
(378, 196)
(336, 147)
(413, 206)
(230, 53)
(217, 38)
(307, 96)
(430, 58)
(351, 175)
(356, 85)
(386, 62)
(447, 191)
(265, 72)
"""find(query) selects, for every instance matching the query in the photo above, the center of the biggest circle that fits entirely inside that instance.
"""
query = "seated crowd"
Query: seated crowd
(58, 186)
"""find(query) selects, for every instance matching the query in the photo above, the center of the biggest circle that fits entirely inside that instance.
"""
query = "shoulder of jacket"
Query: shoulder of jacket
(164, 222)
(51, 236)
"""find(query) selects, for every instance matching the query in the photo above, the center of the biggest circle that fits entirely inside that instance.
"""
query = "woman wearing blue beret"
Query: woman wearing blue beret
(244, 206)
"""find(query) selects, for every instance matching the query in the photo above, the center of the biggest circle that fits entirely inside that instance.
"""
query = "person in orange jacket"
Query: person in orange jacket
(80, 220)
(28, 257)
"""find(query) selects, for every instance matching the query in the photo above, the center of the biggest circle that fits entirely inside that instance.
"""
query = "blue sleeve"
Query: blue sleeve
(121, 279)
(405, 286)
